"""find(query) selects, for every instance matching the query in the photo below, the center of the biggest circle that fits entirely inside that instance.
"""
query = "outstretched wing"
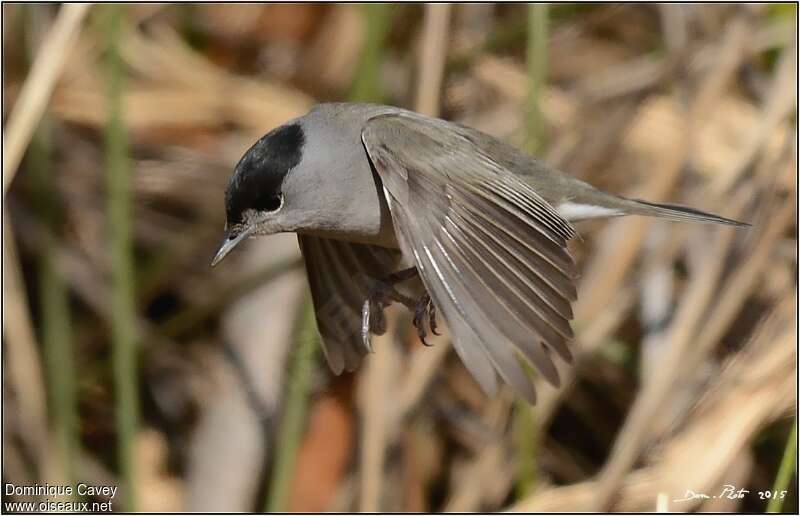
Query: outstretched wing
(490, 250)
(340, 275)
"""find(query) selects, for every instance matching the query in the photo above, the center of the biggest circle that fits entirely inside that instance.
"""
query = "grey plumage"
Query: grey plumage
(486, 226)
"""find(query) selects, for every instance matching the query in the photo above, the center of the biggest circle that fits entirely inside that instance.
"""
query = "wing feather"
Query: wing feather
(490, 250)
(340, 275)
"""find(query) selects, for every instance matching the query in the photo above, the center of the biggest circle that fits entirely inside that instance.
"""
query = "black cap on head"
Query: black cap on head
(256, 182)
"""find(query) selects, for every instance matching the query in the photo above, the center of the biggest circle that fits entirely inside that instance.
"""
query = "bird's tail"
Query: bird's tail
(679, 213)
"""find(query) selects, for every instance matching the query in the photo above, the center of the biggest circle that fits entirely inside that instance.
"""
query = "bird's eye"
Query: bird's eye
(269, 202)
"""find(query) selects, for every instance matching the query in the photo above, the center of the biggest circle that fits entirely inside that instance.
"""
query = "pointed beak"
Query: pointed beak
(228, 243)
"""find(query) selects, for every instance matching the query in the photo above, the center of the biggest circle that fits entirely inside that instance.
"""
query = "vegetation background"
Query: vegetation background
(128, 361)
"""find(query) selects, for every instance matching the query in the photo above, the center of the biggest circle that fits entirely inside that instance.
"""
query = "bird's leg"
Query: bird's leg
(381, 295)
(425, 309)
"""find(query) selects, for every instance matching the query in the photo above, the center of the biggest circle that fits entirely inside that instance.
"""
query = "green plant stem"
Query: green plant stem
(527, 444)
(537, 73)
(525, 415)
(785, 471)
(56, 326)
(290, 432)
(54, 302)
(366, 84)
(123, 320)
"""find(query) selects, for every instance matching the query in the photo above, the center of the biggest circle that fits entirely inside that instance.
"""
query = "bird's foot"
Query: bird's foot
(382, 295)
(425, 312)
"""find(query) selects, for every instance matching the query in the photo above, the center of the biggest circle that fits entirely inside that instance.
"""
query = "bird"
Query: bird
(381, 197)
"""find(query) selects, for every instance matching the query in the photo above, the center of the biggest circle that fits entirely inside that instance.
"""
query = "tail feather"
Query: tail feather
(675, 212)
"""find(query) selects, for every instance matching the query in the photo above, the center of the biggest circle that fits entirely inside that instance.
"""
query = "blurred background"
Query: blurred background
(128, 361)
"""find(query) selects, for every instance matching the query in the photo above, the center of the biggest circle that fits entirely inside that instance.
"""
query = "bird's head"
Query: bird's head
(259, 193)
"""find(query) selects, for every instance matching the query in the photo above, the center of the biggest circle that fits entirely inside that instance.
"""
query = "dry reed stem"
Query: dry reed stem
(683, 327)
(780, 102)
(38, 86)
(389, 411)
(624, 79)
(22, 358)
(174, 86)
(246, 381)
(510, 80)
(489, 463)
(655, 389)
(432, 53)
(87, 281)
(737, 473)
(469, 492)
(424, 363)
(683, 391)
(731, 52)
(642, 73)
(741, 283)
(674, 24)
(620, 242)
(629, 78)
(755, 388)
(332, 58)
(378, 385)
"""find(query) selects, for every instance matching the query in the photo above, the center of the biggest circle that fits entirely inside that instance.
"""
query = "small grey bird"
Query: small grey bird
(378, 195)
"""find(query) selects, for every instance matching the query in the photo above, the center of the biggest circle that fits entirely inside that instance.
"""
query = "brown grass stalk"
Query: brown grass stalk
(38, 86)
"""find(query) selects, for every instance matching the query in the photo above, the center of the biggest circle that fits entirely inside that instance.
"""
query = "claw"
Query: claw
(432, 318)
(365, 316)
(425, 308)
(381, 295)
(377, 322)
(422, 339)
(384, 294)
(419, 314)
